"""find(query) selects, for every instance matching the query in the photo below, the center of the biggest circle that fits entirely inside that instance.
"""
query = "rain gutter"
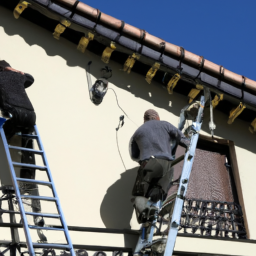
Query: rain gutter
(129, 40)
(158, 44)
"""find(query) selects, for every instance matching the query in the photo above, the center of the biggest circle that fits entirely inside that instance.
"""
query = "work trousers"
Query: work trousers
(23, 120)
(153, 179)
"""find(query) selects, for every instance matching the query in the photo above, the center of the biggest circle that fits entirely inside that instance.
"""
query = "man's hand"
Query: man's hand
(14, 70)
(185, 142)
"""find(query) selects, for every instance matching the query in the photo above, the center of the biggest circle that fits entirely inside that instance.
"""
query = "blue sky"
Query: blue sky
(221, 31)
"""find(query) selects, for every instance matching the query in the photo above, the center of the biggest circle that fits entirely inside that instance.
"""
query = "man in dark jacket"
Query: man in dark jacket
(7, 67)
(14, 101)
(15, 104)
(153, 145)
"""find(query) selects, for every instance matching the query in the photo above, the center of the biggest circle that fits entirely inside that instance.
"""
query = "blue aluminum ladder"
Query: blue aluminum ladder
(31, 246)
(184, 179)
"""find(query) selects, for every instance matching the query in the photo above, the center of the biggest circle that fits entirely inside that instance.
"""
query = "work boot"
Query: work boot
(81, 252)
(47, 252)
(168, 205)
(39, 221)
(144, 208)
(157, 246)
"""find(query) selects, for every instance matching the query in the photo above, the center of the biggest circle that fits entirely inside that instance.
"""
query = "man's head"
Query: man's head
(151, 114)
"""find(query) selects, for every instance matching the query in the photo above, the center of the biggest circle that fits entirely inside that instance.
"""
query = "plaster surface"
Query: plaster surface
(80, 138)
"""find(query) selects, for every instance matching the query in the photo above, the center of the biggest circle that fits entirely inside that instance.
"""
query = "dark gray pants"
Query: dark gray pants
(153, 179)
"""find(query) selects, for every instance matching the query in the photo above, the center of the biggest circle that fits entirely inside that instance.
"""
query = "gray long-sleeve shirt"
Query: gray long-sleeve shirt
(156, 138)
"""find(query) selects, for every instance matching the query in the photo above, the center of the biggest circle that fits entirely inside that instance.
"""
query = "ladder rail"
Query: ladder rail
(62, 218)
(18, 195)
(186, 170)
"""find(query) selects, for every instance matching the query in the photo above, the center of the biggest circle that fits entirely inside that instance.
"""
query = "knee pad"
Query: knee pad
(156, 194)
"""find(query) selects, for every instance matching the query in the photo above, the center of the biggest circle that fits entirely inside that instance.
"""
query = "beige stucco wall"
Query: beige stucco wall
(80, 138)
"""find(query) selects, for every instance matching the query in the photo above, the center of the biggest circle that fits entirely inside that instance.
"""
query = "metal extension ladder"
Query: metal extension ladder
(186, 170)
(146, 240)
(30, 245)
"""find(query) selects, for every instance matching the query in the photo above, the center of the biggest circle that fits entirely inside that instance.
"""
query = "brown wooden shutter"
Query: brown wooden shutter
(209, 179)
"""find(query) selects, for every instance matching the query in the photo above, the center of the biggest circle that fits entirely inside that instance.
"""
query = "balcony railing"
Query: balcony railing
(212, 218)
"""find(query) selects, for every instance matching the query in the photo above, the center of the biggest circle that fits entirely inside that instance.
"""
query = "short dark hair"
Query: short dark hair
(151, 114)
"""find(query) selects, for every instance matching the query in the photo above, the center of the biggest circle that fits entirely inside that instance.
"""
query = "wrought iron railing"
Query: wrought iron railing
(212, 218)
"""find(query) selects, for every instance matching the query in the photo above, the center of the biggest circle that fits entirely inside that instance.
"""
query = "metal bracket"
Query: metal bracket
(172, 83)
(152, 72)
(182, 191)
(128, 65)
(216, 100)
(22, 5)
(184, 181)
(83, 43)
(107, 52)
(194, 92)
(212, 125)
(252, 127)
(60, 28)
(175, 224)
(190, 131)
(234, 113)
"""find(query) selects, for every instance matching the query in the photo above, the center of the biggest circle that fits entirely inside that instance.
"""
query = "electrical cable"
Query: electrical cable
(121, 119)
(117, 100)
(119, 150)
(121, 123)
(120, 106)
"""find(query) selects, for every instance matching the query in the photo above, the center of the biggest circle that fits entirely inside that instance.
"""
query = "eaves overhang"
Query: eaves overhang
(128, 41)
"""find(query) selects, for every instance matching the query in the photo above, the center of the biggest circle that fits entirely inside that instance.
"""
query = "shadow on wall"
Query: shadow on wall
(116, 208)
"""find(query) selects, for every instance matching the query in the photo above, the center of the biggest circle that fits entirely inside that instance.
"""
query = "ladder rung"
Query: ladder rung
(46, 228)
(40, 182)
(8, 211)
(29, 166)
(54, 246)
(49, 215)
(27, 149)
(38, 197)
(32, 136)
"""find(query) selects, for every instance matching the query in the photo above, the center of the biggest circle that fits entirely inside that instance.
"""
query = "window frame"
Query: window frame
(235, 172)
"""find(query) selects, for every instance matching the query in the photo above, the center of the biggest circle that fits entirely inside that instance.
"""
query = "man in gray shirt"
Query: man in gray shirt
(153, 145)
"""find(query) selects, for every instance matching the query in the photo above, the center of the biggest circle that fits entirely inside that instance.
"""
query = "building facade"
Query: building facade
(94, 183)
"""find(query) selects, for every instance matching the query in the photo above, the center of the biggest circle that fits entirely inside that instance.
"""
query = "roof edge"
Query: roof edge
(160, 45)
